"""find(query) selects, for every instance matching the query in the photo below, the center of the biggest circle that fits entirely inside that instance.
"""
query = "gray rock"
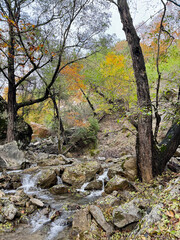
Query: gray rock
(9, 211)
(1, 219)
(126, 214)
(116, 169)
(2, 194)
(59, 189)
(118, 183)
(81, 222)
(100, 219)
(94, 185)
(149, 219)
(80, 173)
(47, 179)
(108, 201)
(11, 156)
(37, 202)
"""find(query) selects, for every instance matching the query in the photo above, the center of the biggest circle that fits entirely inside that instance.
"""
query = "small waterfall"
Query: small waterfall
(59, 180)
(95, 193)
(82, 189)
(102, 178)
(55, 226)
(29, 183)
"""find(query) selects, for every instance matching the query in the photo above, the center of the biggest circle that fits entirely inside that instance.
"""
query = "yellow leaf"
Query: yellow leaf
(170, 213)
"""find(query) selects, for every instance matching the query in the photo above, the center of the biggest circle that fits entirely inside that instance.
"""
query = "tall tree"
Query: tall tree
(151, 157)
(35, 33)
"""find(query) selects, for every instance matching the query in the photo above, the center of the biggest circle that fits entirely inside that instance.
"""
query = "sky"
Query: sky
(141, 10)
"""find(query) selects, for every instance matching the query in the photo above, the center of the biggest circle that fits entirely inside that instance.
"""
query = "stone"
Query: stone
(39, 130)
(100, 219)
(118, 183)
(37, 202)
(47, 179)
(150, 218)
(59, 189)
(23, 131)
(108, 201)
(11, 156)
(9, 211)
(2, 194)
(1, 219)
(115, 169)
(177, 153)
(80, 173)
(130, 167)
(81, 222)
(51, 162)
(126, 214)
(94, 185)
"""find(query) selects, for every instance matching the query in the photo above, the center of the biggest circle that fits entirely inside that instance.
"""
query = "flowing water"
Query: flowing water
(56, 220)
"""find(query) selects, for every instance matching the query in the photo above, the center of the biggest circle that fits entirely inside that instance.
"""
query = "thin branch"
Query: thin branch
(158, 118)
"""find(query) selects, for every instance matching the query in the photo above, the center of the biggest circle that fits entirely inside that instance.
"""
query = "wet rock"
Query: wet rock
(94, 185)
(47, 179)
(59, 189)
(11, 156)
(37, 202)
(118, 183)
(100, 219)
(19, 199)
(31, 170)
(80, 173)
(126, 214)
(9, 211)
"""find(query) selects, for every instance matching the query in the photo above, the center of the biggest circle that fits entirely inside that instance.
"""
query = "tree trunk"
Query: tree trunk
(145, 137)
(11, 86)
(151, 158)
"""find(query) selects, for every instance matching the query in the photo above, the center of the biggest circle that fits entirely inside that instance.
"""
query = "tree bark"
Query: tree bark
(145, 137)
(11, 107)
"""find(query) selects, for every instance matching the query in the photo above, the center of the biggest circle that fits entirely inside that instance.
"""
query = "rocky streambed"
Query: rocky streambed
(50, 196)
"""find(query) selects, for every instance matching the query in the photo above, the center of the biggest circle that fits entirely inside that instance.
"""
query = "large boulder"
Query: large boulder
(23, 131)
(80, 173)
(39, 131)
(126, 214)
(125, 167)
(118, 183)
(94, 185)
(47, 179)
(10, 156)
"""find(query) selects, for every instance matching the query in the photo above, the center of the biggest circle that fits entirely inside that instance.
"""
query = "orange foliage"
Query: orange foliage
(74, 78)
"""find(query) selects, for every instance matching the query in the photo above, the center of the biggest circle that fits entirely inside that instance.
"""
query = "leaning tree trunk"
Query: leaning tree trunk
(11, 86)
(144, 138)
